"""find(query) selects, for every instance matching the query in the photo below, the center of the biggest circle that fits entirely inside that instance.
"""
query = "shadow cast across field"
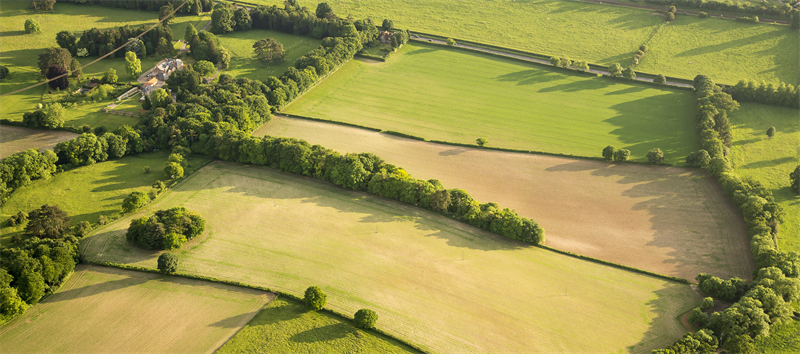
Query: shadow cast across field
(324, 333)
(665, 312)
(96, 289)
(234, 321)
(769, 163)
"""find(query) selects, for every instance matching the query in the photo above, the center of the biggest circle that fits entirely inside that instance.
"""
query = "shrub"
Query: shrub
(32, 26)
(670, 16)
(18, 218)
(622, 155)
(365, 318)
(794, 179)
(698, 159)
(167, 263)
(655, 156)
(707, 304)
(643, 48)
(555, 61)
(134, 201)
(481, 141)
(660, 79)
(771, 132)
(615, 69)
(451, 42)
(672, 9)
(703, 14)
(82, 229)
(173, 170)
(698, 317)
(110, 77)
(147, 169)
(608, 152)
(314, 298)
(629, 73)
(102, 220)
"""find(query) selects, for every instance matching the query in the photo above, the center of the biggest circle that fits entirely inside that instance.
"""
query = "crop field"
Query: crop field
(20, 52)
(244, 62)
(85, 193)
(727, 51)
(770, 161)
(439, 283)
(424, 92)
(106, 310)
(667, 220)
(286, 326)
(17, 139)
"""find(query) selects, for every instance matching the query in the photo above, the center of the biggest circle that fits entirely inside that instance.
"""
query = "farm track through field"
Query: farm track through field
(660, 219)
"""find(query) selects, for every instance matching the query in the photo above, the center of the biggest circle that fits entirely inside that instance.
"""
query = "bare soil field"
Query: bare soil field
(438, 283)
(15, 139)
(107, 310)
(668, 220)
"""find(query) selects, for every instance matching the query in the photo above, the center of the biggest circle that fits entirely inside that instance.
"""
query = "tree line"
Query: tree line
(762, 9)
(97, 42)
(783, 94)
(194, 7)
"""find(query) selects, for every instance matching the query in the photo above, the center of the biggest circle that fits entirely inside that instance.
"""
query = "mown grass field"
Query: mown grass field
(85, 193)
(672, 221)
(106, 310)
(20, 52)
(436, 282)
(727, 51)
(16, 139)
(286, 326)
(443, 94)
(770, 161)
(244, 62)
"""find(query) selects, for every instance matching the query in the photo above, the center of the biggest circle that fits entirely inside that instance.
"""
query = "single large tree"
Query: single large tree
(57, 76)
(32, 26)
(222, 20)
(794, 179)
(165, 13)
(323, 10)
(167, 263)
(54, 56)
(190, 32)
(655, 156)
(314, 298)
(771, 132)
(49, 221)
(132, 64)
(269, 49)
(365, 318)
(608, 152)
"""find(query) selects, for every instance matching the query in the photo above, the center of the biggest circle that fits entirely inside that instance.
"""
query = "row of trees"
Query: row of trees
(165, 229)
(96, 42)
(762, 9)
(315, 299)
(713, 125)
(194, 7)
(784, 94)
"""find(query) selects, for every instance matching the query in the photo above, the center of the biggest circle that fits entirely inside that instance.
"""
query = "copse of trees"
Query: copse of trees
(269, 49)
(782, 94)
(96, 42)
(20, 169)
(165, 229)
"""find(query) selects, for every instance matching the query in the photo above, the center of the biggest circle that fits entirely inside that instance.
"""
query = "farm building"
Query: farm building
(385, 37)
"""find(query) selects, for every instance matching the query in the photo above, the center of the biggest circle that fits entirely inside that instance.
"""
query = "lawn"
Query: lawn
(16, 139)
(85, 193)
(443, 94)
(438, 283)
(286, 326)
(667, 220)
(727, 51)
(132, 105)
(20, 53)
(244, 62)
(107, 310)
(770, 161)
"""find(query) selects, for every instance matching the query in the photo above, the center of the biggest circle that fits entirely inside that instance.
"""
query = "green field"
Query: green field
(107, 310)
(286, 326)
(20, 53)
(244, 62)
(436, 282)
(727, 51)
(85, 193)
(443, 94)
(770, 160)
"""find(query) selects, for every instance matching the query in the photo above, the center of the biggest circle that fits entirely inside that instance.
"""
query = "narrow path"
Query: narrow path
(535, 60)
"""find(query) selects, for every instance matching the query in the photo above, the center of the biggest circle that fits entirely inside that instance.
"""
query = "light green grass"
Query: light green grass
(782, 339)
(107, 310)
(435, 282)
(132, 104)
(770, 160)
(286, 326)
(444, 94)
(85, 193)
(244, 62)
(727, 51)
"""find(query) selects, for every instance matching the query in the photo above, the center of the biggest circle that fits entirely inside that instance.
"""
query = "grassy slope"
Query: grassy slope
(770, 160)
(85, 193)
(436, 282)
(244, 63)
(727, 51)
(286, 326)
(106, 310)
(20, 53)
(424, 92)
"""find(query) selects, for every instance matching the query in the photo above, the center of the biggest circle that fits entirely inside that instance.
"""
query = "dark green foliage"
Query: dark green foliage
(771, 132)
(18, 218)
(84, 150)
(387, 24)
(707, 304)
(365, 319)
(82, 229)
(49, 221)
(3, 72)
(698, 318)
(165, 14)
(58, 77)
(782, 94)
(740, 344)
(314, 298)
(20, 169)
(655, 156)
(724, 290)
(608, 152)
(31, 26)
(167, 263)
(54, 56)
(11, 305)
(30, 286)
(134, 201)
(324, 10)
(622, 155)
(628, 73)
(794, 179)
(670, 16)
(703, 341)
(150, 233)
(660, 79)
(481, 141)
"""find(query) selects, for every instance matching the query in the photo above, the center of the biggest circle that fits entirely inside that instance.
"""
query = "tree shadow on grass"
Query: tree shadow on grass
(735, 43)
(421, 51)
(768, 163)
(530, 76)
(275, 314)
(236, 321)
(323, 334)
(667, 307)
(581, 85)
(95, 289)
(745, 142)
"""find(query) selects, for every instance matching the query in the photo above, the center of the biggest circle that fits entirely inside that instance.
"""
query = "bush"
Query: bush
(794, 179)
(167, 263)
(655, 156)
(698, 317)
(555, 61)
(608, 152)
(18, 218)
(147, 169)
(32, 26)
(703, 14)
(481, 141)
(698, 159)
(314, 298)
(622, 155)
(670, 16)
(771, 132)
(102, 220)
(173, 241)
(365, 318)
(660, 79)
(451, 42)
(173, 170)
(707, 304)
(134, 201)
(82, 229)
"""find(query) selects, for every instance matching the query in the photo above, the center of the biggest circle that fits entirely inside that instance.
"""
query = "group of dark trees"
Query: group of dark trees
(192, 7)
(206, 46)
(762, 9)
(713, 125)
(610, 153)
(165, 229)
(96, 42)
(785, 95)
(18, 170)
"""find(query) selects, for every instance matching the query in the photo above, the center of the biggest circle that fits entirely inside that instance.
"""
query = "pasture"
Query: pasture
(434, 281)
(87, 192)
(727, 51)
(286, 326)
(17, 139)
(244, 62)
(425, 91)
(107, 310)
(672, 221)
(770, 161)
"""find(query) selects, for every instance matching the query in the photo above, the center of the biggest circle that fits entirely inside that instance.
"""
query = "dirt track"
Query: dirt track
(668, 220)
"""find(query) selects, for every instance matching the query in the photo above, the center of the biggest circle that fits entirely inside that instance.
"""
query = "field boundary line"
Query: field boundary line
(342, 316)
